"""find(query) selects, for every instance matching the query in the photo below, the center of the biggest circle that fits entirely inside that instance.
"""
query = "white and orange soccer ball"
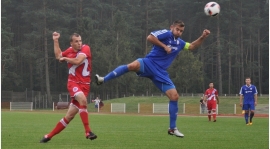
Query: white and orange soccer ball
(212, 9)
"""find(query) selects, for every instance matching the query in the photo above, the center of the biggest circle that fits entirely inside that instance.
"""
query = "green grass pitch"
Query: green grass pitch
(24, 130)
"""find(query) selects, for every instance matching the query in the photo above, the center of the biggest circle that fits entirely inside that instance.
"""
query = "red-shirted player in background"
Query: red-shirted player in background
(212, 100)
(79, 61)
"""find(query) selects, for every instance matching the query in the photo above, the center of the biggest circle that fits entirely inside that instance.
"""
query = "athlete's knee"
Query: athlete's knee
(175, 96)
(213, 111)
(134, 66)
(252, 111)
(80, 97)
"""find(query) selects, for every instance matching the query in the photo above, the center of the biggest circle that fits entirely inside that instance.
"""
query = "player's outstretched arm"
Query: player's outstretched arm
(154, 40)
(195, 44)
(57, 50)
(74, 61)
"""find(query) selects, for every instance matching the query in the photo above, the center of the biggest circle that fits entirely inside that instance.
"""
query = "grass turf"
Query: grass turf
(25, 129)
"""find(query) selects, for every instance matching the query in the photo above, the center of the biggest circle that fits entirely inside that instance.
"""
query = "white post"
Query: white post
(152, 95)
(35, 102)
(200, 109)
(43, 101)
(46, 101)
(153, 107)
(111, 107)
(138, 107)
(184, 110)
(98, 108)
(133, 95)
(124, 107)
(31, 106)
(234, 108)
(53, 106)
(225, 95)
(217, 109)
(10, 106)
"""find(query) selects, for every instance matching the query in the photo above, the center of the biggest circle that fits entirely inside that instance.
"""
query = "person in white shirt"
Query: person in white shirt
(97, 101)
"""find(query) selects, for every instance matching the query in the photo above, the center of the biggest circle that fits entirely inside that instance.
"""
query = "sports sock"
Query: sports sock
(251, 116)
(209, 115)
(173, 111)
(62, 124)
(84, 117)
(246, 117)
(120, 70)
(214, 115)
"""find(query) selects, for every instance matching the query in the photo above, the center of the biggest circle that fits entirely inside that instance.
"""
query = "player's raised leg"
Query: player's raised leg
(61, 125)
(120, 70)
(173, 111)
(80, 97)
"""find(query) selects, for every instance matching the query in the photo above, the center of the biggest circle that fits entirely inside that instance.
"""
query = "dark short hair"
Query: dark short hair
(247, 78)
(74, 34)
(179, 22)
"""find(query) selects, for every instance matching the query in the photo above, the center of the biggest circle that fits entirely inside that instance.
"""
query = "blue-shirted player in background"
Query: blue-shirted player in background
(249, 92)
(166, 46)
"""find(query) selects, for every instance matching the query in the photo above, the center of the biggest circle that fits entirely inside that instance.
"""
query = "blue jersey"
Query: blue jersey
(248, 93)
(158, 55)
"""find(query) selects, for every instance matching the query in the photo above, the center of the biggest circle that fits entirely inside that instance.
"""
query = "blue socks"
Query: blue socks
(246, 117)
(173, 110)
(120, 70)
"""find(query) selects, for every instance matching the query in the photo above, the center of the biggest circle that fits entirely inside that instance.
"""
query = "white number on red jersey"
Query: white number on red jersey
(85, 72)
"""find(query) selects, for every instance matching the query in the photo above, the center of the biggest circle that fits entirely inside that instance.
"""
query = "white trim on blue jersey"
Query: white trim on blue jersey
(255, 90)
(159, 32)
(241, 91)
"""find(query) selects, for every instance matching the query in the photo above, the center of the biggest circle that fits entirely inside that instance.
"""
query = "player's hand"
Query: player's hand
(255, 103)
(62, 59)
(168, 49)
(241, 104)
(205, 33)
(56, 35)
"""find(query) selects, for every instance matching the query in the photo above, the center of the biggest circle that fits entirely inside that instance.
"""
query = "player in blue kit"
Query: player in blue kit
(249, 92)
(166, 46)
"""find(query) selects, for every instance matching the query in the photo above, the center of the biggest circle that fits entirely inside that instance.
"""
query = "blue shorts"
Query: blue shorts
(248, 107)
(96, 106)
(158, 76)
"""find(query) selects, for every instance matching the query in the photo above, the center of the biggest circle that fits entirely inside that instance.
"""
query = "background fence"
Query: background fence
(40, 101)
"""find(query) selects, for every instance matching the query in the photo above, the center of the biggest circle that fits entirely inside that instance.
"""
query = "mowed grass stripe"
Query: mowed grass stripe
(25, 129)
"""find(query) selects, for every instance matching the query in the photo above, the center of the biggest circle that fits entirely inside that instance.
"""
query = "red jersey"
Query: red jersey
(211, 94)
(79, 73)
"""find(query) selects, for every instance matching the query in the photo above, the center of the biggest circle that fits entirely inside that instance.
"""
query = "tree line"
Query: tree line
(116, 31)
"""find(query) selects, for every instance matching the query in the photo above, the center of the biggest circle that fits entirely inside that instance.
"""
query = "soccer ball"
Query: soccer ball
(212, 9)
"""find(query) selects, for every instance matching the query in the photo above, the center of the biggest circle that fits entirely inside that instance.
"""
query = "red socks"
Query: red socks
(214, 115)
(84, 117)
(62, 124)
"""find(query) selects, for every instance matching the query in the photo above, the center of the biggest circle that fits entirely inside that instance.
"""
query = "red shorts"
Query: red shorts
(211, 104)
(74, 89)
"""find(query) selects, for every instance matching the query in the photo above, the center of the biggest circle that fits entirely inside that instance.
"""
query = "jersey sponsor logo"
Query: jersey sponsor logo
(75, 89)
(114, 73)
(173, 48)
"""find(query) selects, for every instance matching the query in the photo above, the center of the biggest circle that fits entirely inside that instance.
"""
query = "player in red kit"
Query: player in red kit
(79, 61)
(211, 95)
